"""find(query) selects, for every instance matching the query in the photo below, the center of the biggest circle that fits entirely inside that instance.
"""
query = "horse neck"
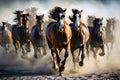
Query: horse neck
(26, 25)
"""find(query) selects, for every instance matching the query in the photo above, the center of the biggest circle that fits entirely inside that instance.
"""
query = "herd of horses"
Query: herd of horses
(58, 35)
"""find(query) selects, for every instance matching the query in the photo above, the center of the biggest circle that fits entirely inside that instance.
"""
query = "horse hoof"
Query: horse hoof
(80, 63)
(62, 68)
(101, 54)
(60, 74)
(55, 67)
(36, 56)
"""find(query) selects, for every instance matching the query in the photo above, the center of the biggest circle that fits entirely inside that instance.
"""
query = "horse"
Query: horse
(37, 36)
(20, 34)
(5, 36)
(80, 35)
(110, 28)
(97, 37)
(58, 35)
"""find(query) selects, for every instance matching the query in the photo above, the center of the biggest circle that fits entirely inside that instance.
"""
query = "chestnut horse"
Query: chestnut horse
(20, 33)
(97, 37)
(58, 35)
(37, 36)
(80, 35)
(5, 36)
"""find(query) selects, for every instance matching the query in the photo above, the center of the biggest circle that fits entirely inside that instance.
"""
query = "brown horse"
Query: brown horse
(20, 34)
(80, 35)
(5, 36)
(58, 35)
(37, 36)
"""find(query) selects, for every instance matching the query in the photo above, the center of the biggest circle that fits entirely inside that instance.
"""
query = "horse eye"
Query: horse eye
(63, 16)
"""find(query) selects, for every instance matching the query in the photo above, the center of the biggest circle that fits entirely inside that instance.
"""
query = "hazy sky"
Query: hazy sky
(99, 8)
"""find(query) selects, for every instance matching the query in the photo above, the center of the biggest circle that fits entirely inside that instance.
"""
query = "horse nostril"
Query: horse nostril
(76, 29)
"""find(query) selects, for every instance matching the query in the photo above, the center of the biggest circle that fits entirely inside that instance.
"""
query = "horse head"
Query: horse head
(76, 18)
(25, 21)
(97, 23)
(39, 24)
(4, 26)
(58, 14)
(110, 24)
(90, 20)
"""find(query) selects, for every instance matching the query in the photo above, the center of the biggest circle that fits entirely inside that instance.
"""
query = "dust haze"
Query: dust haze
(99, 8)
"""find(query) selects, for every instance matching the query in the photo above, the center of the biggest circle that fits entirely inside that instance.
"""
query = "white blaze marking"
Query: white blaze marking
(77, 23)
(61, 22)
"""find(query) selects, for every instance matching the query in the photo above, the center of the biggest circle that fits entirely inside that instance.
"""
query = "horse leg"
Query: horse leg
(94, 54)
(28, 46)
(57, 51)
(67, 49)
(22, 48)
(44, 50)
(88, 48)
(73, 58)
(15, 45)
(103, 51)
(35, 51)
(82, 56)
(77, 59)
(54, 60)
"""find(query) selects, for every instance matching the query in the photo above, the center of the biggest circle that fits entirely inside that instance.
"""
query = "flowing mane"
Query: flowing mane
(54, 13)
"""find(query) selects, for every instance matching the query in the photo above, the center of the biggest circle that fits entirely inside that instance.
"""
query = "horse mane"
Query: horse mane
(53, 14)
(71, 18)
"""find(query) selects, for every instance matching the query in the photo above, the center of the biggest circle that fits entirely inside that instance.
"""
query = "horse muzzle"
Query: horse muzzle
(77, 29)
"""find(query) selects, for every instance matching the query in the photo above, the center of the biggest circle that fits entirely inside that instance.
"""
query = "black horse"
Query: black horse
(97, 37)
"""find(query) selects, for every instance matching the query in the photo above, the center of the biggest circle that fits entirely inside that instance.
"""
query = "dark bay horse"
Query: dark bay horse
(97, 37)
(37, 36)
(80, 35)
(5, 36)
(58, 35)
(20, 33)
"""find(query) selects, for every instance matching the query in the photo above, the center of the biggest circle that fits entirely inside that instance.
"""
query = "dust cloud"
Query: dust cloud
(99, 8)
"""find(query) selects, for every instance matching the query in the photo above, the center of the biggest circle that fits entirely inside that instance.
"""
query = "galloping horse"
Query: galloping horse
(5, 36)
(110, 27)
(37, 36)
(20, 34)
(58, 35)
(80, 35)
(97, 36)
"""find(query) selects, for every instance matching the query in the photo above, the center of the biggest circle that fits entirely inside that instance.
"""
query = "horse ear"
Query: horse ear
(27, 14)
(81, 11)
(64, 10)
(102, 18)
(73, 10)
(36, 16)
(42, 15)
(15, 12)
(22, 11)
